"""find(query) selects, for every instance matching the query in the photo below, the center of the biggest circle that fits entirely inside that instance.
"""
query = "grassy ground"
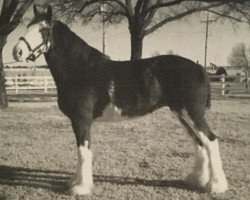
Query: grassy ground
(143, 158)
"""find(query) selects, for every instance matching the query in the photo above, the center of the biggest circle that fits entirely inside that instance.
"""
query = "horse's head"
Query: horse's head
(37, 40)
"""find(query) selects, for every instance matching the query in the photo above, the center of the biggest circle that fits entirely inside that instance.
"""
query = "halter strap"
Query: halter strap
(32, 57)
(25, 41)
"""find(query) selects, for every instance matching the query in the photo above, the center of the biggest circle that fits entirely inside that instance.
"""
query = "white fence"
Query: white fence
(221, 85)
(229, 85)
(18, 83)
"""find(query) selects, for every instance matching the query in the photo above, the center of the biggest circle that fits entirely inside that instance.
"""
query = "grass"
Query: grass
(142, 158)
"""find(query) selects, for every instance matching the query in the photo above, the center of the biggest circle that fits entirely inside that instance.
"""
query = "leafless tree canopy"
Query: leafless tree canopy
(240, 56)
(146, 16)
(152, 14)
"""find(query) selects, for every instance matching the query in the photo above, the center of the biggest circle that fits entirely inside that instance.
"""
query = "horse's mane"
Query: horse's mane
(67, 39)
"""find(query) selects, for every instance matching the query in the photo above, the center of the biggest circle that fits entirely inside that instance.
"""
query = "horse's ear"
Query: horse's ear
(49, 13)
(35, 10)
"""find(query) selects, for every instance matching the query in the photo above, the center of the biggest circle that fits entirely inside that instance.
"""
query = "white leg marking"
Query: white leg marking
(83, 182)
(200, 174)
(74, 179)
(117, 110)
(217, 182)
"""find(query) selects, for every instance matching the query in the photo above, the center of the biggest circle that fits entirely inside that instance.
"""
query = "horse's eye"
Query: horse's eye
(45, 33)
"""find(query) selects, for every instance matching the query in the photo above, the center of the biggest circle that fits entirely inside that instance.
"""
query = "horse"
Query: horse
(88, 81)
(219, 72)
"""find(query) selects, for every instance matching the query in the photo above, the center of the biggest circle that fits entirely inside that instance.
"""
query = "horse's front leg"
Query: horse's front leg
(82, 183)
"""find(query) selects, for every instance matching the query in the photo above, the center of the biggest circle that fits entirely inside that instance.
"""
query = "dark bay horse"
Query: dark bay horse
(219, 72)
(88, 81)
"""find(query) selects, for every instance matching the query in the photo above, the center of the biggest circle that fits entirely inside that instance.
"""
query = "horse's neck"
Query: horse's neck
(66, 50)
(65, 42)
(70, 55)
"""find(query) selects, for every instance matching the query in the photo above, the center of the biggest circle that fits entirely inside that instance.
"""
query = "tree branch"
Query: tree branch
(108, 18)
(226, 15)
(129, 7)
(145, 6)
(138, 7)
(161, 5)
(176, 2)
(224, 1)
(245, 14)
(8, 9)
(17, 18)
(88, 3)
(179, 16)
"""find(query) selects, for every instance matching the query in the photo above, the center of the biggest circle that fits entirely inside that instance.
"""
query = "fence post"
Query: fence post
(45, 84)
(223, 84)
(16, 84)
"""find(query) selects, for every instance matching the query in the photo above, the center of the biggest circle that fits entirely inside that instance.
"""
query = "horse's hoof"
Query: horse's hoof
(217, 187)
(197, 180)
(81, 190)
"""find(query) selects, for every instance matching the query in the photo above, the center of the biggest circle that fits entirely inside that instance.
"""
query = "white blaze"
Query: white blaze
(34, 38)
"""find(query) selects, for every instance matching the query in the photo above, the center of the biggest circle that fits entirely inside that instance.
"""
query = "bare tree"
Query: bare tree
(146, 16)
(11, 13)
(240, 56)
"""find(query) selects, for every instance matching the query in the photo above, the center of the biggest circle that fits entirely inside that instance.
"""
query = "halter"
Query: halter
(32, 57)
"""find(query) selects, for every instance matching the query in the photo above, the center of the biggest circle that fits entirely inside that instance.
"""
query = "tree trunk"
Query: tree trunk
(136, 41)
(136, 47)
(3, 95)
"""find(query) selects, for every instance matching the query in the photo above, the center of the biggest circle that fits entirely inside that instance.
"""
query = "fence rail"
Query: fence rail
(221, 85)
(230, 84)
(18, 83)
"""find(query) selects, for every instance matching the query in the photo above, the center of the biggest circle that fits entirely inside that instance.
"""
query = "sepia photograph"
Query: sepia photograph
(124, 99)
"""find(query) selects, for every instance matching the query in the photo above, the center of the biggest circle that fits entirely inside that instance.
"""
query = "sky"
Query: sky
(185, 38)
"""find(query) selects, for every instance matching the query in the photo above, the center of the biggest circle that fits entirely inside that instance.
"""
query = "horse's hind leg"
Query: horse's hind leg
(199, 177)
(217, 180)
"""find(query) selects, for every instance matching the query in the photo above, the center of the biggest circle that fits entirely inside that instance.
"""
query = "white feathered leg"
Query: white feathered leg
(83, 183)
(200, 174)
(217, 182)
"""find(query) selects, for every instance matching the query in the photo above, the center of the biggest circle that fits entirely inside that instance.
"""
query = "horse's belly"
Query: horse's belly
(113, 113)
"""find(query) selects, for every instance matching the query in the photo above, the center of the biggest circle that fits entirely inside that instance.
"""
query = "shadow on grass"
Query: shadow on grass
(36, 178)
(179, 184)
(57, 180)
